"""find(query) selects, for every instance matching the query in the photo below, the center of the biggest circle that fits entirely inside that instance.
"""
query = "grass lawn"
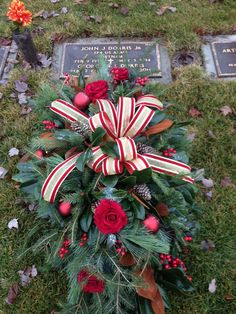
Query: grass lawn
(190, 89)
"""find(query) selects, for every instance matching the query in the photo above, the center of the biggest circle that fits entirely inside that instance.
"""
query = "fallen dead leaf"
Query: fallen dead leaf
(226, 182)
(13, 223)
(38, 14)
(124, 10)
(3, 172)
(229, 297)
(163, 9)
(207, 245)
(113, 5)
(80, 2)
(208, 183)
(12, 294)
(225, 110)
(212, 286)
(194, 112)
(13, 152)
(25, 110)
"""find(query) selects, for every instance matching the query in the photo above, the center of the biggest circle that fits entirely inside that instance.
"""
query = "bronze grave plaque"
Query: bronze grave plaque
(144, 56)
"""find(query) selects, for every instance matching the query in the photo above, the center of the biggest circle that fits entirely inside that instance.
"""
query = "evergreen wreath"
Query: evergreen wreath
(114, 193)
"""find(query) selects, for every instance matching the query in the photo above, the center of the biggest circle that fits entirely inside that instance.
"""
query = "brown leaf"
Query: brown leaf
(12, 294)
(163, 9)
(151, 291)
(47, 135)
(25, 158)
(127, 260)
(194, 112)
(158, 304)
(38, 14)
(113, 5)
(124, 10)
(75, 84)
(225, 110)
(229, 297)
(159, 127)
(80, 2)
(25, 110)
(226, 182)
(162, 209)
(71, 151)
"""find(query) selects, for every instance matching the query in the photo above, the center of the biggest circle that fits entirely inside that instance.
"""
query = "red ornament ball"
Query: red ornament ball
(64, 209)
(39, 153)
(81, 101)
(152, 224)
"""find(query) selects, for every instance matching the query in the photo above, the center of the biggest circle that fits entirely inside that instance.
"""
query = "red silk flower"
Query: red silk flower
(120, 74)
(97, 90)
(18, 13)
(92, 283)
(110, 217)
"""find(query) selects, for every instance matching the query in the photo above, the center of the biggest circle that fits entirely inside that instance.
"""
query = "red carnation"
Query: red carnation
(120, 74)
(110, 217)
(97, 90)
(92, 283)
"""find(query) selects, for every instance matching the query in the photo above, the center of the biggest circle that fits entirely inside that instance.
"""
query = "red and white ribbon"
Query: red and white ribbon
(122, 125)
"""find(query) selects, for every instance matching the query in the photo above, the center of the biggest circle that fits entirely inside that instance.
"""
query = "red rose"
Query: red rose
(120, 74)
(92, 283)
(110, 217)
(97, 90)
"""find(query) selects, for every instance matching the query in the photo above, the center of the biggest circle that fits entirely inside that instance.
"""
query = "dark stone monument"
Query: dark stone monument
(220, 56)
(146, 56)
(3, 58)
(225, 58)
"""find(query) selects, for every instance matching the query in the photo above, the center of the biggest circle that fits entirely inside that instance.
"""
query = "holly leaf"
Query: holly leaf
(83, 158)
(86, 220)
(97, 136)
(175, 279)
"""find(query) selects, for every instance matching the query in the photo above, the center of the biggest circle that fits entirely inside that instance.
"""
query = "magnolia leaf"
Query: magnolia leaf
(97, 136)
(127, 260)
(13, 152)
(159, 127)
(208, 183)
(212, 286)
(13, 223)
(86, 220)
(12, 294)
(109, 180)
(83, 158)
(3, 172)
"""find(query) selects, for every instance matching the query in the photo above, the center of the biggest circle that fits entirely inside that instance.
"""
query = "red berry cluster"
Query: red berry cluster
(169, 152)
(64, 248)
(169, 261)
(49, 125)
(120, 248)
(188, 238)
(67, 79)
(141, 80)
(83, 240)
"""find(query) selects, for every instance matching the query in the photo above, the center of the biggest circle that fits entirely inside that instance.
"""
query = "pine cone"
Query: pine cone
(81, 128)
(145, 149)
(143, 191)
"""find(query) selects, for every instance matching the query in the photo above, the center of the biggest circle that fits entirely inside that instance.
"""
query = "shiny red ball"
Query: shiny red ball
(65, 208)
(39, 153)
(152, 223)
(81, 101)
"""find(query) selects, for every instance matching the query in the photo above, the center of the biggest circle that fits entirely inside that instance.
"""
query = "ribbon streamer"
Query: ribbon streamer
(122, 125)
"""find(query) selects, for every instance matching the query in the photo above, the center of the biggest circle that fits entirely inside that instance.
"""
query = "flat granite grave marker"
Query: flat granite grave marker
(220, 56)
(3, 58)
(146, 56)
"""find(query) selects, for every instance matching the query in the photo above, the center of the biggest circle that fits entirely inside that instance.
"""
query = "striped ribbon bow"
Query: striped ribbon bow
(122, 125)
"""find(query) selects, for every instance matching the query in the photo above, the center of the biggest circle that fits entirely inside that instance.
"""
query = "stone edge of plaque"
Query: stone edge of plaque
(164, 57)
(2, 65)
(209, 62)
(10, 61)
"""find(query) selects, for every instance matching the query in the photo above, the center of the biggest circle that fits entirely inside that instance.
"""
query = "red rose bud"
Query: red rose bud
(109, 217)
(152, 223)
(39, 153)
(91, 284)
(120, 74)
(97, 90)
(81, 101)
(64, 208)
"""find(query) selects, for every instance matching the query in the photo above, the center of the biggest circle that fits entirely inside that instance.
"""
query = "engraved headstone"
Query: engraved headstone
(220, 56)
(3, 57)
(145, 56)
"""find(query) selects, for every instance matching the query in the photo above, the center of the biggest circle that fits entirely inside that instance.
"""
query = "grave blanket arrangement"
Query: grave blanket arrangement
(113, 192)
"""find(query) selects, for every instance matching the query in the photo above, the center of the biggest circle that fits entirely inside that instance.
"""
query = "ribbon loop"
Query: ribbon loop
(127, 148)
